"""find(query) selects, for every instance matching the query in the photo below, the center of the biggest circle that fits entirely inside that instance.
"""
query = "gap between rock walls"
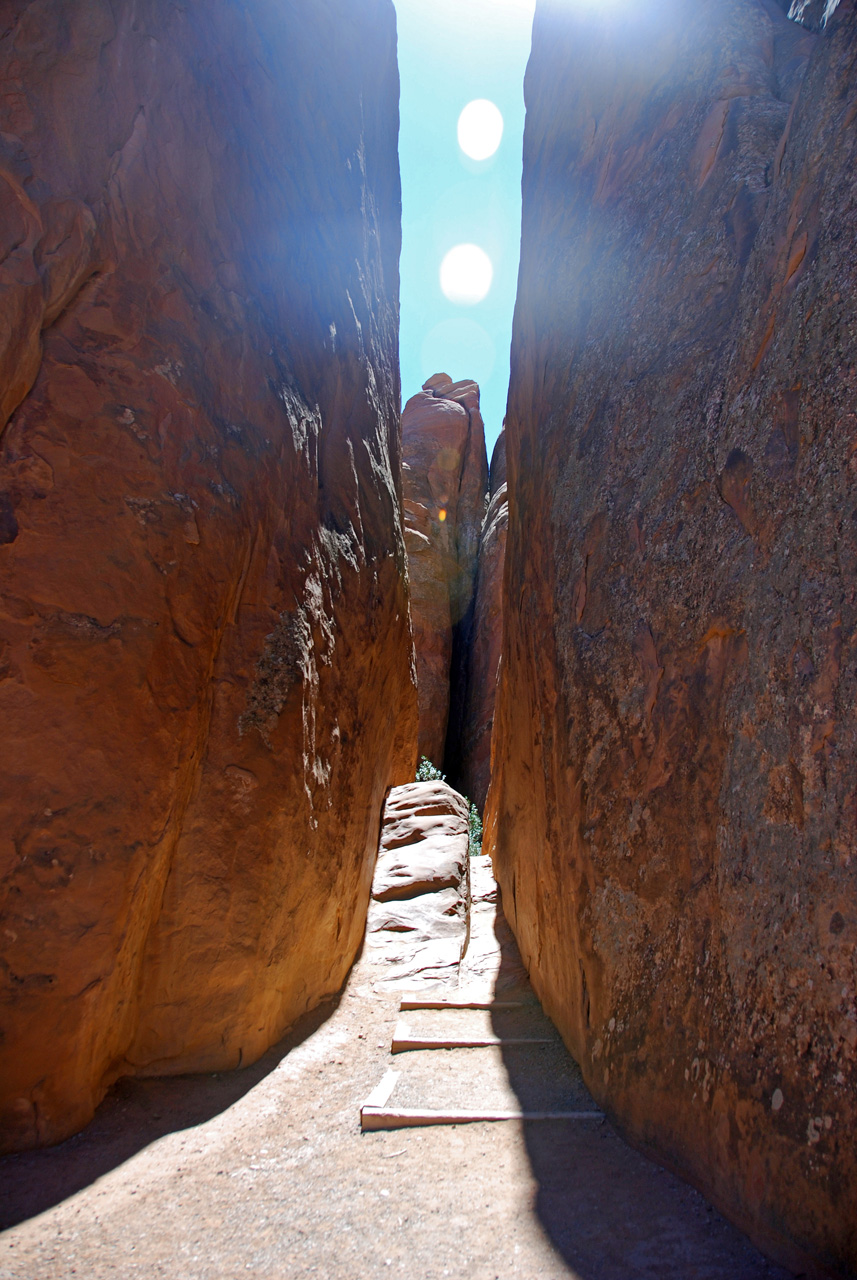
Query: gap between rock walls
(455, 564)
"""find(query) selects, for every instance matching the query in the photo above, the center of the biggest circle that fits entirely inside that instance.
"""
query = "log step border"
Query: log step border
(409, 1044)
(418, 1003)
(373, 1118)
(405, 1041)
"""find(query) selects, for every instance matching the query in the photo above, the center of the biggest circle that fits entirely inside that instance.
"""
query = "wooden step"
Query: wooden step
(424, 1003)
(380, 1095)
(376, 1118)
(404, 1041)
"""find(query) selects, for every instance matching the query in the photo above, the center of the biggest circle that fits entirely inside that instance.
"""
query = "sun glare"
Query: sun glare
(466, 274)
(480, 129)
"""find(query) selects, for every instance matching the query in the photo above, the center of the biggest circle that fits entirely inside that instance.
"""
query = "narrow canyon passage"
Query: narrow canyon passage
(265, 1172)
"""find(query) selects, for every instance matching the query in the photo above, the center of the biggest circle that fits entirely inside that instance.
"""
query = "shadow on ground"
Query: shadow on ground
(134, 1114)
(610, 1213)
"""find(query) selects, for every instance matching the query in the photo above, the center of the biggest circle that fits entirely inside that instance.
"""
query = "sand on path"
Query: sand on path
(265, 1172)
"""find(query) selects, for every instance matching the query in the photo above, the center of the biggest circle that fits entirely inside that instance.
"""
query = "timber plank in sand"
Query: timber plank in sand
(418, 1002)
(404, 1041)
(375, 1115)
(374, 1118)
(380, 1095)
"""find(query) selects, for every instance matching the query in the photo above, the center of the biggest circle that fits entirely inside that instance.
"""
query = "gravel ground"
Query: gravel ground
(265, 1172)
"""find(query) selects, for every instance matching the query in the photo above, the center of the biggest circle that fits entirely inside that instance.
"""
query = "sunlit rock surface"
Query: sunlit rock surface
(445, 484)
(672, 813)
(205, 662)
(419, 916)
(486, 637)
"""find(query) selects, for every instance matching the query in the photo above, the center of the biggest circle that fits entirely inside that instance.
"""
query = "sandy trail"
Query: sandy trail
(265, 1172)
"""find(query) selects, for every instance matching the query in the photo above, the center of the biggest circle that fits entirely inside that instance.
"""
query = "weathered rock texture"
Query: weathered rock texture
(813, 14)
(673, 806)
(486, 636)
(445, 482)
(419, 916)
(205, 671)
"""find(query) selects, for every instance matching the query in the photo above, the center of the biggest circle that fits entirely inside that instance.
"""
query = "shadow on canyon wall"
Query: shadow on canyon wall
(609, 1212)
(136, 1112)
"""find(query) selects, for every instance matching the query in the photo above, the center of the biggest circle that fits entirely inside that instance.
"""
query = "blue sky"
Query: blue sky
(451, 52)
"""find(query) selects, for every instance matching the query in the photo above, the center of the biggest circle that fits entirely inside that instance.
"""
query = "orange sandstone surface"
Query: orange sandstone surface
(445, 482)
(486, 637)
(673, 802)
(206, 679)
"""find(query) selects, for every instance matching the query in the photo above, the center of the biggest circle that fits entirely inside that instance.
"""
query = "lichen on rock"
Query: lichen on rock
(282, 665)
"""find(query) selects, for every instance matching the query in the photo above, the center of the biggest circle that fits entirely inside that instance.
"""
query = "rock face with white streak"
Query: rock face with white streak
(672, 810)
(205, 652)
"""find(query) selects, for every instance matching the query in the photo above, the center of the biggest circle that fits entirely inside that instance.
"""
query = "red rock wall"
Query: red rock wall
(445, 483)
(205, 654)
(672, 813)
(486, 637)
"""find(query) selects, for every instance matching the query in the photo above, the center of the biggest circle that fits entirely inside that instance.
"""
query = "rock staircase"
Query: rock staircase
(472, 1042)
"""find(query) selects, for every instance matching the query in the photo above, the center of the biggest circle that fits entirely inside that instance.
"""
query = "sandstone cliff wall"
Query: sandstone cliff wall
(445, 483)
(205, 657)
(486, 637)
(672, 813)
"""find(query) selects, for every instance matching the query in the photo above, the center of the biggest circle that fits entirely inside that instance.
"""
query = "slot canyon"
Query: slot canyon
(278, 635)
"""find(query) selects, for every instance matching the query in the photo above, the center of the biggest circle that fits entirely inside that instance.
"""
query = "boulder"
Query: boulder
(433, 914)
(423, 846)
(421, 889)
(672, 809)
(205, 653)
(445, 481)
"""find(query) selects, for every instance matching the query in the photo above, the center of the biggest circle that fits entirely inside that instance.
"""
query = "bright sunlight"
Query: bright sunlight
(480, 129)
(466, 274)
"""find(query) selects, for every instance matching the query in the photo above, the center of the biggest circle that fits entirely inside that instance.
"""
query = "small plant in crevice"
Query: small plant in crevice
(427, 772)
(474, 832)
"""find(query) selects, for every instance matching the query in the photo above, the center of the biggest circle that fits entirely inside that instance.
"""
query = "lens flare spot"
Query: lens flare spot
(480, 129)
(441, 515)
(466, 274)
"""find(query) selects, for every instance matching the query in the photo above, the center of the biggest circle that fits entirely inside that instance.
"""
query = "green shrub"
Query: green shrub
(474, 832)
(427, 772)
